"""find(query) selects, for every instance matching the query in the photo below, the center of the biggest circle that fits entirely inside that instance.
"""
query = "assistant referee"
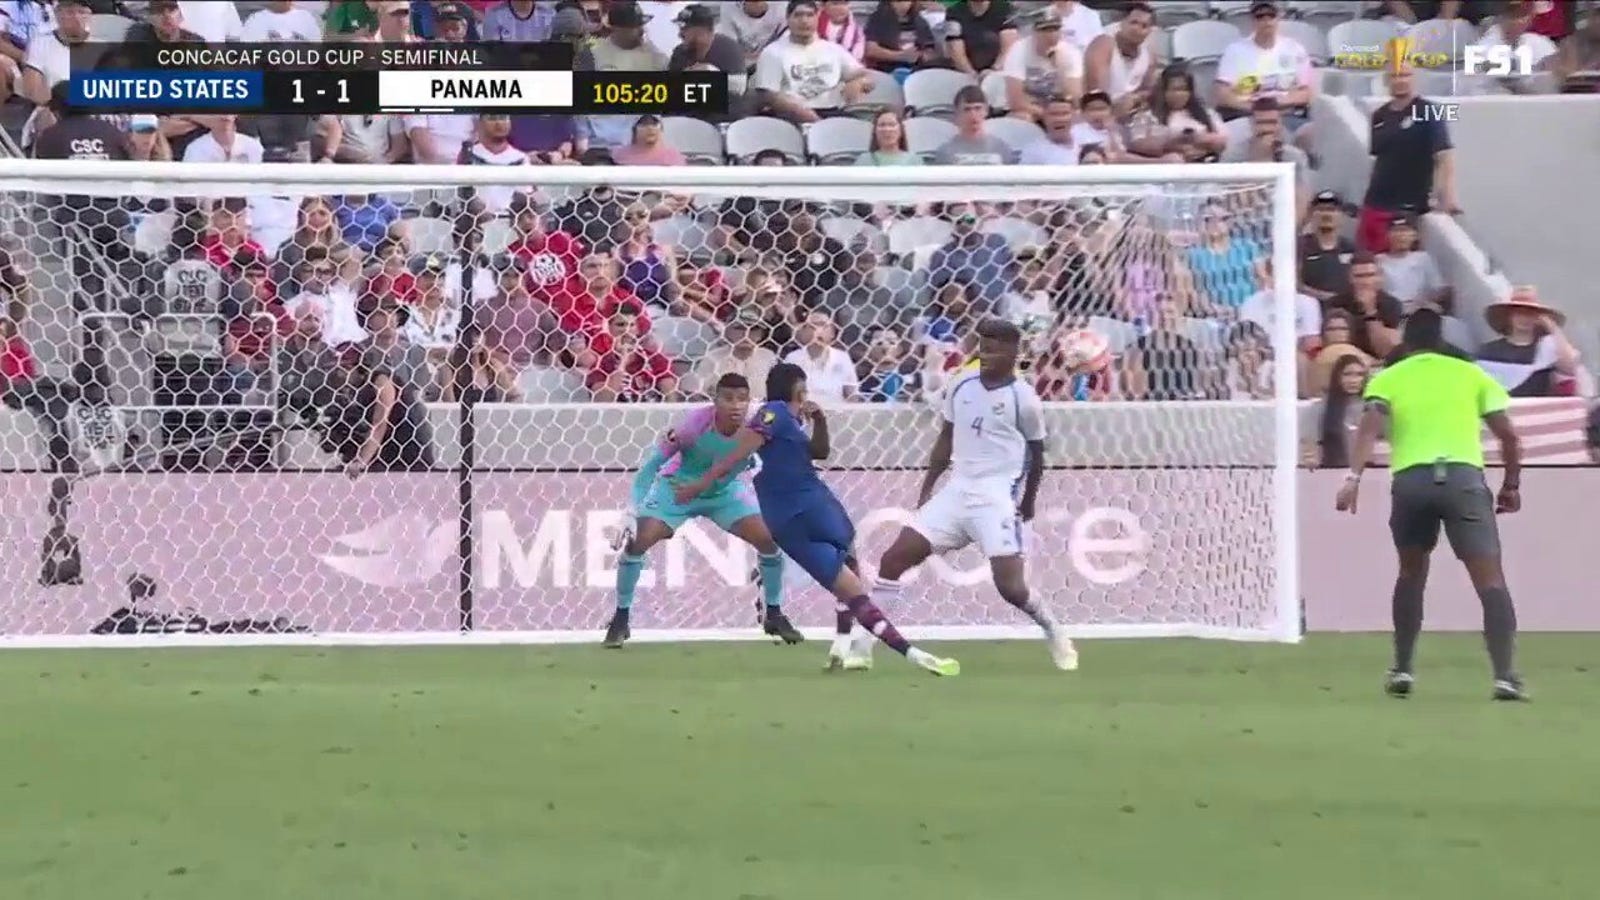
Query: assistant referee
(1433, 403)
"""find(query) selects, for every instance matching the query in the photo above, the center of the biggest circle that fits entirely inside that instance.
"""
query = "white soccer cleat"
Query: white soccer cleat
(858, 658)
(838, 654)
(1063, 653)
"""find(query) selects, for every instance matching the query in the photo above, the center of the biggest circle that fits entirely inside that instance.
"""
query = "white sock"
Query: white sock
(919, 656)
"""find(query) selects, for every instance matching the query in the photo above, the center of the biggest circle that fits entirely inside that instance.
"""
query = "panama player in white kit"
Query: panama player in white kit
(992, 440)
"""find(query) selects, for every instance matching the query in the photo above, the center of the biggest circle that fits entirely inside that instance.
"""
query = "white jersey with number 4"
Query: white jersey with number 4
(991, 430)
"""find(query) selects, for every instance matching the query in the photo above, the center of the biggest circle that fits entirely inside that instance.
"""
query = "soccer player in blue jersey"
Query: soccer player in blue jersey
(805, 518)
(684, 454)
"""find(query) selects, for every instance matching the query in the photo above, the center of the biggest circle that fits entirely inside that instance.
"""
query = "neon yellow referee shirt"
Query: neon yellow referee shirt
(1436, 409)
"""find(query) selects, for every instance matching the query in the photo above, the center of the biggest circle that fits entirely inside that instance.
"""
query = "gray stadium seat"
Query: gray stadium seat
(1331, 11)
(1206, 334)
(22, 441)
(907, 235)
(1017, 133)
(698, 140)
(1175, 12)
(1362, 33)
(1017, 233)
(924, 136)
(994, 90)
(895, 278)
(932, 92)
(496, 235)
(838, 140)
(541, 385)
(1310, 37)
(1449, 36)
(847, 230)
(429, 235)
(883, 92)
(108, 28)
(1119, 334)
(1235, 12)
(748, 136)
(682, 338)
(681, 231)
(1203, 40)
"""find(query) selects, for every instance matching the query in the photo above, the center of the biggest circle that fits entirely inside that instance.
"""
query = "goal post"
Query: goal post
(140, 509)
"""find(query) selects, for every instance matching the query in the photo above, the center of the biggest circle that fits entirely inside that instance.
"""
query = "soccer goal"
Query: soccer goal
(190, 452)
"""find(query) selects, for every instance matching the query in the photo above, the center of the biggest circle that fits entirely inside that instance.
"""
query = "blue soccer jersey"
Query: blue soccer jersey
(806, 520)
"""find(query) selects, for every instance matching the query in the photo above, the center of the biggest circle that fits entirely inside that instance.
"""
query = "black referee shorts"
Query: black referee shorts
(1457, 498)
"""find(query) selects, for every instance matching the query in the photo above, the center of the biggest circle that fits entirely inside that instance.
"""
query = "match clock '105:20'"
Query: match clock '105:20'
(663, 93)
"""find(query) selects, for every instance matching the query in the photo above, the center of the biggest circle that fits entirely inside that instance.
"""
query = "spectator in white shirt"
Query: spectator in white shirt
(1265, 64)
(1057, 148)
(753, 23)
(1080, 25)
(1261, 308)
(49, 56)
(1512, 29)
(223, 143)
(1099, 126)
(437, 138)
(281, 22)
(327, 300)
(1041, 66)
(830, 373)
(1123, 63)
(1409, 273)
(741, 352)
(216, 22)
(661, 23)
(804, 78)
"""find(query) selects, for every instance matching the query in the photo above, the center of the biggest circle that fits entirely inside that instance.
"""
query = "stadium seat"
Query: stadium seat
(1171, 13)
(1310, 37)
(108, 28)
(681, 231)
(683, 338)
(1017, 233)
(1234, 12)
(496, 235)
(1017, 133)
(1119, 334)
(153, 235)
(22, 441)
(925, 136)
(1205, 334)
(541, 385)
(1203, 40)
(893, 278)
(883, 92)
(698, 140)
(848, 229)
(1334, 11)
(748, 136)
(430, 235)
(1363, 33)
(932, 92)
(301, 449)
(907, 235)
(994, 90)
(1448, 36)
(838, 141)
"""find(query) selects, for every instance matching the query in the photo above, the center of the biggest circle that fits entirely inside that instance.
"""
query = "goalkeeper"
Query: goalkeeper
(683, 455)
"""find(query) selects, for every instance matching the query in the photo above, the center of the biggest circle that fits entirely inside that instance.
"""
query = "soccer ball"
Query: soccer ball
(1086, 351)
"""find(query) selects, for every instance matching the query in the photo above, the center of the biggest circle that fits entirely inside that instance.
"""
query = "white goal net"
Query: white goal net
(302, 403)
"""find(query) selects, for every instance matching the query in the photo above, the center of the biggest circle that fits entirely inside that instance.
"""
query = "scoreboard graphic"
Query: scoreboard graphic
(370, 78)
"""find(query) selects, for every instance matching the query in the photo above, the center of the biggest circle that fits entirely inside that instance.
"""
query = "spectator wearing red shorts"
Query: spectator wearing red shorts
(1412, 162)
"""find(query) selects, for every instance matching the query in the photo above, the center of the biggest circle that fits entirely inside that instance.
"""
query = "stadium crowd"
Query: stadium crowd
(611, 296)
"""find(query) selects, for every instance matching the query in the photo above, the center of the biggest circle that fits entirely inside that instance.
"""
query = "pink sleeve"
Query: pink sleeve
(687, 431)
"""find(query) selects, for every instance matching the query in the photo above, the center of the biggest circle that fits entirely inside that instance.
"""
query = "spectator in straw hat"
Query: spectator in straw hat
(1532, 357)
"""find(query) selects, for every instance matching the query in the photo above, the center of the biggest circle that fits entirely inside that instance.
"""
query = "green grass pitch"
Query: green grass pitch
(1171, 769)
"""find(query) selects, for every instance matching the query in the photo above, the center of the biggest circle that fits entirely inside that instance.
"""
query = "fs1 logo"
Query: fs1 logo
(1500, 61)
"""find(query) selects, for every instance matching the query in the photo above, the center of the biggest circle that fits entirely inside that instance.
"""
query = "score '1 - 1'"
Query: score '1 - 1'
(341, 88)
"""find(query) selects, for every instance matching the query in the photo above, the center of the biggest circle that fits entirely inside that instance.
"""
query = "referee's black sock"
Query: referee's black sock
(1407, 609)
(1500, 630)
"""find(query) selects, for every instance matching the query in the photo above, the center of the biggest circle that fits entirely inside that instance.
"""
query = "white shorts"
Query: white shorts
(959, 515)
